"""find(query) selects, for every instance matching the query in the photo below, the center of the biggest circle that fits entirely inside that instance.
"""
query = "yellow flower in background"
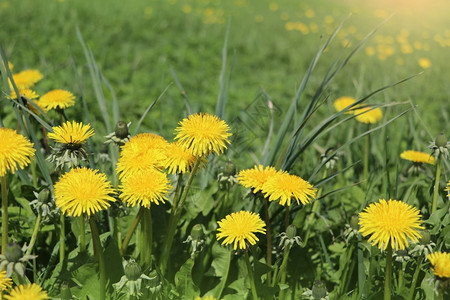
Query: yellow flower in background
(447, 189)
(390, 222)
(72, 134)
(83, 191)
(370, 51)
(57, 99)
(203, 134)
(206, 297)
(10, 65)
(424, 63)
(26, 79)
(344, 102)
(15, 151)
(144, 188)
(440, 262)
(28, 93)
(240, 228)
(144, 151)
(285, 187)
(27, 292)
(368, 115)
(418, 157)
(256, 177)
(5, 282)
(178, 160)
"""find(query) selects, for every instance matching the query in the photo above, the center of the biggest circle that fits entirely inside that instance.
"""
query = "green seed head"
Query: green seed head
(133, 270)
(121, 130)
(441, 140)
(229, 169)
(197, 232)
(13, 252)
(291, 231)
(319, 290)
(43, 196)
(65, 291)
(425, 239)
(354, 222)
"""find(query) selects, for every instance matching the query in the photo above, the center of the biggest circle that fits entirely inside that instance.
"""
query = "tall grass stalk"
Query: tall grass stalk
(436, 184)
(82, 233)
(34, 235)
(4, 213)
(269, 239)
(98, 251)
(412, 289)
(250, 276)
(131, 230)
(388, 273)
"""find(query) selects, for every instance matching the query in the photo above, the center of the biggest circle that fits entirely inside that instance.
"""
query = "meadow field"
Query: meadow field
(225, 149)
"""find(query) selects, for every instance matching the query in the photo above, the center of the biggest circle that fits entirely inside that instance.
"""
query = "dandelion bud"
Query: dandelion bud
(65, 291)
(197, 232)
(133, 270)
(121, 130)
(425, 239)
(441, 140)
(291, 231)
(13, 252)
(43, 196)
(354, 222)
(229, 169)
(319, 290)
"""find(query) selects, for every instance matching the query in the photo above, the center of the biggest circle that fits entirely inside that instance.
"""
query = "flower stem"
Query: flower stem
(62, 238)
(269, 240)
(4, 214)
(250, 275)
(82, 234)
(436, 185)
(34, 235)
(283, 274)
(174, 217)
(131, 230)
(388, 275)
(366, 158)
(98, 251)
(414, 279)
(314, 210)
(148, 234)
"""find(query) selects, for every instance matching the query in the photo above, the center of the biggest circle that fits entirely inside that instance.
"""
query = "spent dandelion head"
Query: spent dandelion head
(240, 228)
(27, 292)
(15, 151)
(5, 282)
(285, 187)
(144, 188)
(26, 79)
(255, 178)
(440, 262)
(144, 151)
(368, 115)
(344, 102)
(57, 99)
(178, 160)
(418, 157)
(83, 191)
(203, 134)
(390, 222)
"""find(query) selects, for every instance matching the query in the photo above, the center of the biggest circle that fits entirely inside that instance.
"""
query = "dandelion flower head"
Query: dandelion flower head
(203, 134)
(255, 178)
(240, 228)
(27, 292)
(72, 134)
(15, 151)
(344, 102)
(145, 187)
(144, 151)
(368, 115)
(418, 157)
(178, 160)
(285, 187)
(424, 63)
(440, 262)
(390, 222)
(206, 297)
(83, 191)
(57, 99)
(5, 282)
(27, 93)
(26, 79)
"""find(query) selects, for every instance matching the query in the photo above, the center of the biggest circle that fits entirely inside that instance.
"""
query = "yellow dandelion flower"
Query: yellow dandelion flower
(202, 134)
(5, 282)
(27, 292)
(83, 191)
(256, 177)
(144, 188)
(344, 102)
(240, 228)
(368, 115)
(144, 151)
(390, 222)
(424, 63)
(285, 187)
(28, 93)
(72, 134)
(178, 160)
(418, 157)
(57, 99)
(440, 262)
(206, 297)
(26, 79)
(447, 189)
(15, 151)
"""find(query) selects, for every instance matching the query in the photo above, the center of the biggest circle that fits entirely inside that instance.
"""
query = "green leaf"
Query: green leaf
(221, 260)
(87, 279)
(114, 268)
(183, 281)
